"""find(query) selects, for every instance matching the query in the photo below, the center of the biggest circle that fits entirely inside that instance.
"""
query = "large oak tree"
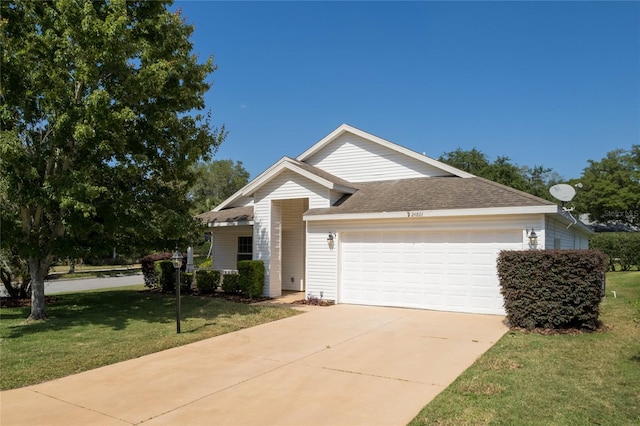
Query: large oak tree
(611, 189)
(100, 127)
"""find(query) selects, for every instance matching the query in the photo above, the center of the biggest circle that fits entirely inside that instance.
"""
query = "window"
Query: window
(245, 248)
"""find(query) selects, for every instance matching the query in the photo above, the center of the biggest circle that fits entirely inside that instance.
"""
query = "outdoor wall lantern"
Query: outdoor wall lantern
(330, 240)
(533, 239)
(177, 263)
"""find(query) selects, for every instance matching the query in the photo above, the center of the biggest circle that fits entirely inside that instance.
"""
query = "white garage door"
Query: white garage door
(449, 271)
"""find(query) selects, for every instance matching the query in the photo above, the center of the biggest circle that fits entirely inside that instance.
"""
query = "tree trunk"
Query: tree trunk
(38, 269)
(5, 276)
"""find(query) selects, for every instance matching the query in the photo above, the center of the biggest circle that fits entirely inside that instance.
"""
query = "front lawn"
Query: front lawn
(591, 378)
(91, 329)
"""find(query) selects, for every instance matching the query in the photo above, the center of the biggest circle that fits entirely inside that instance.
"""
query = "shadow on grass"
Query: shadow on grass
(118, 308)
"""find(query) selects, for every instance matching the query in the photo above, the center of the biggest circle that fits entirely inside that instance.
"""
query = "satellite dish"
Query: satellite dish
(563, 192)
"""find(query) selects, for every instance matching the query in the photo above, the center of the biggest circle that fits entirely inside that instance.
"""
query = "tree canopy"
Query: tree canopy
(101, 122)
(535, 180)
(611, 188)
(216, 181)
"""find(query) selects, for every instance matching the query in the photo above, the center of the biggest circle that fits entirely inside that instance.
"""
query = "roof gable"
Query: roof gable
(305, 170)
(358, 156)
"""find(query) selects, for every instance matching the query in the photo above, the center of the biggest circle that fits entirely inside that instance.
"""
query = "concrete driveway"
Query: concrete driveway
(338, 365)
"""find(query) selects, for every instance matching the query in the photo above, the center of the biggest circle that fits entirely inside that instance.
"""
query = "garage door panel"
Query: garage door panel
(432, 270)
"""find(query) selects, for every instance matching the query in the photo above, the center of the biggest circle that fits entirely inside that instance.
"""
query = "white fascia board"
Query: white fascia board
(395, 147)
(243, 191)
(493, 211)
(286, 164)
(228, 201)
(221, 224)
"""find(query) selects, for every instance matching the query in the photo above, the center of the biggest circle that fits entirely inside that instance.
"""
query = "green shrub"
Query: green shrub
(149, 268)
(552, 288)
(231, 284)
(206, 263)
(207, 281)
(623, 248)
(166, 276)
(251, 273)
(186, 281)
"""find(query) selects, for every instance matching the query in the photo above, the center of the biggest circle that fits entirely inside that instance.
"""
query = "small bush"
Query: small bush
(231, 283)
(186, 281)
(552, 288)
(251, 281)
(207, 281)
(148, 268)
(166, 276)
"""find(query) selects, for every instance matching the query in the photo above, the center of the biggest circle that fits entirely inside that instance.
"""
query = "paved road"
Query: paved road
(66, 286)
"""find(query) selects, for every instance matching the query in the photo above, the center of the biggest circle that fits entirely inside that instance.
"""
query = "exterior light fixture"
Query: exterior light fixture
(330, 240)
(533, 239)
(177, 263)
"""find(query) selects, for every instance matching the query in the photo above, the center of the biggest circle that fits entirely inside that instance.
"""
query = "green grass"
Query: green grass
(91, 329)
(532, 379)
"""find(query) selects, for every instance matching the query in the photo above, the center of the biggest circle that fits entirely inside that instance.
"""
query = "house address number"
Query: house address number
(415, 214)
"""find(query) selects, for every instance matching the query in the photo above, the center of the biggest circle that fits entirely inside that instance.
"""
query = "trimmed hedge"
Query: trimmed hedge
(186, 281)
(231, 284)
(166, 276)
(148, 268)
(207, 281)
(552, 288)
(251, 280)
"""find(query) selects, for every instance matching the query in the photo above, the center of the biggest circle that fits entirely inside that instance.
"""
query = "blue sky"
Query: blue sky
(543, 83)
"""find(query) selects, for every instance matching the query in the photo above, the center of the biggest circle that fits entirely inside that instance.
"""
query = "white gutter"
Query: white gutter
(492, 211)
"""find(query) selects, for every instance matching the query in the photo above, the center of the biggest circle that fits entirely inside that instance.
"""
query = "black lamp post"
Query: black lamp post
(177, 263)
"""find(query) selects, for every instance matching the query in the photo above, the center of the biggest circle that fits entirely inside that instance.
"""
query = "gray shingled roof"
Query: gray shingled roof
(431, 193)
(234, 214)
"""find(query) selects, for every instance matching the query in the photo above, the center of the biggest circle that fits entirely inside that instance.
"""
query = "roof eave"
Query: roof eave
(237, 223)
(286, 164)
(568, 218)
(490, 211)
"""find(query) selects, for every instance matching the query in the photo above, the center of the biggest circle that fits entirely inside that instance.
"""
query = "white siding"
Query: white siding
(293, 244)
(287, 185)
(225, 245)
(357, 160)
(322, 262)
(558, 236)
(272, 280)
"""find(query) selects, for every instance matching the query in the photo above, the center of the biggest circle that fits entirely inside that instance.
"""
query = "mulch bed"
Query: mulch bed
(314, 302)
